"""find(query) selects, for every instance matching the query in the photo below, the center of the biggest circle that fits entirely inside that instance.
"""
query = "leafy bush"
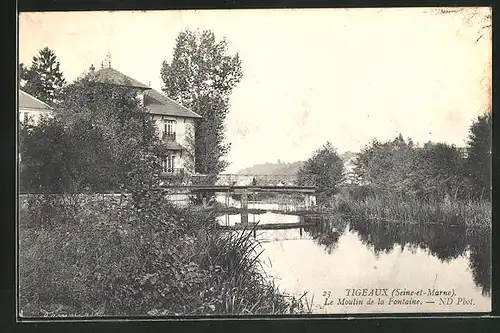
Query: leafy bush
(433, 171)
(99, 140)
(324, 170)
(478, 163)
(138, 258)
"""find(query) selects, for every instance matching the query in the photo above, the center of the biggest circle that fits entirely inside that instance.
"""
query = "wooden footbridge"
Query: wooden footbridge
(225, 181)
(243, 186)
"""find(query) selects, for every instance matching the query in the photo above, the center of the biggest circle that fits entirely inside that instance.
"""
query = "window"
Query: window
(168, 164)
(26, 117)
(169, 126)
(169, 130)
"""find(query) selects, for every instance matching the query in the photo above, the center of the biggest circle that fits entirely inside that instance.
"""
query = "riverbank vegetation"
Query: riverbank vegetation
(325, 168)
(434, 197)
(403, 182)
(85, 256)
(414, 211)
(82, 254)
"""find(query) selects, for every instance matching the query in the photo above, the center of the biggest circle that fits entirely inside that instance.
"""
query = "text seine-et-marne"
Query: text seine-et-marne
(366, 292)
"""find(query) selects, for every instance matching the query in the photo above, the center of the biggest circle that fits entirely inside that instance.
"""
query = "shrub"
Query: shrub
(136, 258)
(405, 210)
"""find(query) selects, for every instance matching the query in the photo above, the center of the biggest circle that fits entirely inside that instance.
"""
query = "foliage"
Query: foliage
(99, 140)
(43, 159)
(120, 258)
(436, 170)
(440, 171)
(325, 167)
(403, 169)
(44, 78)
(386, 166)
(478, 164)
(201, 77)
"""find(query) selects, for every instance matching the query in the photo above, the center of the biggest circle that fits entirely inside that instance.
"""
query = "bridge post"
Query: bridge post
(301, 221)
(307, 200)
(244, 206)
(313, 200)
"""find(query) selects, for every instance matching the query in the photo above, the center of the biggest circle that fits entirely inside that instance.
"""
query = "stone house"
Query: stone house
(175, 123)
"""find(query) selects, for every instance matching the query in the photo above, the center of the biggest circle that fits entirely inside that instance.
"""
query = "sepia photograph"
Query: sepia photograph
(254, 162)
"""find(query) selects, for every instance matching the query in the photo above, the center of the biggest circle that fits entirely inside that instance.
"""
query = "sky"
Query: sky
(309, 75)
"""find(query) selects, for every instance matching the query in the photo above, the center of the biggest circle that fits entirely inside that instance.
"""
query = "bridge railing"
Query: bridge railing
(240, 180)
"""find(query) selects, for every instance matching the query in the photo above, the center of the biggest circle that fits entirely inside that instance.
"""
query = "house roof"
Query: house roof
(173, 145)
(157, 103)
(27, 101)
(111, 75)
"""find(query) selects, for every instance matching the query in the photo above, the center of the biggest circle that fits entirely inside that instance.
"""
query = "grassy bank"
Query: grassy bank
(83, 256)
(393, 209)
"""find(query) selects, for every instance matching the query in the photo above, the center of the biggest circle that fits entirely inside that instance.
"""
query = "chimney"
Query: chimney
(140, 97)
(92, 69)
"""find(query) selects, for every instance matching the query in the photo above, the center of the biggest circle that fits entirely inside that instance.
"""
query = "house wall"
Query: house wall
(33, 114)
(182, 127)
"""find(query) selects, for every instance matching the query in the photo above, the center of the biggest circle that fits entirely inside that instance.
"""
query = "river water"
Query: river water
(388, 258)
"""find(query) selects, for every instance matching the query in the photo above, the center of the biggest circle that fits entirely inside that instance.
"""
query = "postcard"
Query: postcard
(213, 163)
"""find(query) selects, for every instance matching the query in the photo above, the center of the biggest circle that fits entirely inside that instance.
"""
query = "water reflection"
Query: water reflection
(480, 261)
(265, 218)
(443, 242)
(339, 254)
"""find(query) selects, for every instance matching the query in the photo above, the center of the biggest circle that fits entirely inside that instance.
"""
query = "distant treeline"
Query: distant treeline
(406, 170)
(434, 171)
(283, 168)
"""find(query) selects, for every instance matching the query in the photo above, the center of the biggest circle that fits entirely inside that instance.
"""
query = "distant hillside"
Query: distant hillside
(283, 168)
(347, 155)
(272, 169)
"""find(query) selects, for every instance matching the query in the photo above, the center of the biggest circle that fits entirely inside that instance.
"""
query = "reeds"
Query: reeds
(409, 210)
(239, 278)
(157, 259)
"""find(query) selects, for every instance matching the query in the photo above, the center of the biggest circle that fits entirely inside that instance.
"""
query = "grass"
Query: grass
(85, 256)
(393, 209)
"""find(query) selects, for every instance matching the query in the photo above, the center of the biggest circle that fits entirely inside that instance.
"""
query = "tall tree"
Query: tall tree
(439, 171)
(478, 165)
(401, 168)
(44, 78)
(387, 165)
(23, 75)
(201, 77)
(324, 169)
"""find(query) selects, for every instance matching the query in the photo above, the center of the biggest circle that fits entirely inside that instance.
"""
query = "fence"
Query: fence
(238, 180)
